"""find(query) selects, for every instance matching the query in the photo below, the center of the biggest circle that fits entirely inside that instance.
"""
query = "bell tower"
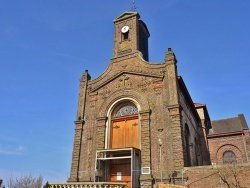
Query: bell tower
(131, 35)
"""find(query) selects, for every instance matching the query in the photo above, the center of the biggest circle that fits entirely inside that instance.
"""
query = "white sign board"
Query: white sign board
(119, 176)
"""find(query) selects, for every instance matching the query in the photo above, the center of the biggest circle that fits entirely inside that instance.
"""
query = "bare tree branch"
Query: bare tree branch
(26, 181)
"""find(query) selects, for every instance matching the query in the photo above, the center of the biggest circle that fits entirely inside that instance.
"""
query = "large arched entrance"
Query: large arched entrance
(124, 133)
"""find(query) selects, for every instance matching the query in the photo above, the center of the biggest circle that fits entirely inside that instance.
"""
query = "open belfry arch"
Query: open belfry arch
(125, 111)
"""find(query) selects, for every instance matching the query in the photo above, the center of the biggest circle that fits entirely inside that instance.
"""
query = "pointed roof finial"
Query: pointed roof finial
(133, 6)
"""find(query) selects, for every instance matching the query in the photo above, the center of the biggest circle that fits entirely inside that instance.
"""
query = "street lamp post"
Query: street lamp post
(160, 144)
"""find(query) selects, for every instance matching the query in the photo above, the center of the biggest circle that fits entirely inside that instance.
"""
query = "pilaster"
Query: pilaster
(174, 110)
(82, 95)
(100, 138)
(177, 142)
(145, 179)
(172, 78)
(74, 173)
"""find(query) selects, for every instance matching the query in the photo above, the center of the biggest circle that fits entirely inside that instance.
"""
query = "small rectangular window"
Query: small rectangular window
(125, 36)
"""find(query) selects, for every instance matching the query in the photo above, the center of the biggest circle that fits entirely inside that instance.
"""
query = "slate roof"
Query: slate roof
(229, 125)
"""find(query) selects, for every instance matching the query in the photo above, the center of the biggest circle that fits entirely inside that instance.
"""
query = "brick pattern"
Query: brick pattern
(247, 142)
(176, 130)
(211, 176)
(76, 153)
(234, 143)
(165, 185)
(100, 138)
(204, 145)
(145, 141)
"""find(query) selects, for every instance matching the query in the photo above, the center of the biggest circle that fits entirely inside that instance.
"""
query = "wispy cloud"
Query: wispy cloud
(13, 150)
(21, 148)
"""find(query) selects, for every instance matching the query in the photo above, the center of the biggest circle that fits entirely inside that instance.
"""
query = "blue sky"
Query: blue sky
(45, 45)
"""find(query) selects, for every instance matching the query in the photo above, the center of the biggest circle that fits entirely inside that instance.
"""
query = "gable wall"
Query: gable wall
(234, 143)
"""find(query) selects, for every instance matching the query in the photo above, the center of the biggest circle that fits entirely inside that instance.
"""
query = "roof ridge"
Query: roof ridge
(225, 119)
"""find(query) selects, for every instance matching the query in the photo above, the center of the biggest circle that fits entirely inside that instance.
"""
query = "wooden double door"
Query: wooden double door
(124, 134)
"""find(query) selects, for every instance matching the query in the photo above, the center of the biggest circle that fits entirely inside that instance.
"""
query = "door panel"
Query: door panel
(118, 134)
(124, 133)
(131, 136)
(121, 173)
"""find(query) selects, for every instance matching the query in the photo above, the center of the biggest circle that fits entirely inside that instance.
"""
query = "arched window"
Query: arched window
(229, 157)
(126, 110)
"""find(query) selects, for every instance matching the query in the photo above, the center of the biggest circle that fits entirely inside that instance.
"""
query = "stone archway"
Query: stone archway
(140, 100)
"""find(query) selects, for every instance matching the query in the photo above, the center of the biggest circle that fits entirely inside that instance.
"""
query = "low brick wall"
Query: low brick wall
(218, 176)
(164, 185)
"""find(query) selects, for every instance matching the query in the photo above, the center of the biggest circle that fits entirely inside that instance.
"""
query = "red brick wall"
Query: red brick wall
(218, 176)
(234, 143)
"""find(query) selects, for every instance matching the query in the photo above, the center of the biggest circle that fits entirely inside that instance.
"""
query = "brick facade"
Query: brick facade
(164, 105)
(165, 111)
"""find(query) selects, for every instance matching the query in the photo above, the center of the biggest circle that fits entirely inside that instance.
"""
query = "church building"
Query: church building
(136, 123)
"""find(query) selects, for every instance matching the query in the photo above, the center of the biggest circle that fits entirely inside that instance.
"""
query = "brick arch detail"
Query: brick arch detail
(229, 147)
(141, 99)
